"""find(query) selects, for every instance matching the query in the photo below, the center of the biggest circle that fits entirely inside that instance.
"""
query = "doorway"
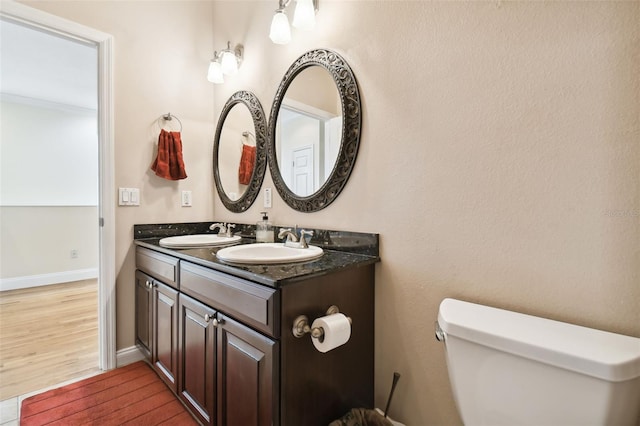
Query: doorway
(104, 222)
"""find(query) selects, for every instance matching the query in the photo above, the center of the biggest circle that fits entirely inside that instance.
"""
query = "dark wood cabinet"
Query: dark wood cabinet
(226, 363)
(247, 376)
(225, 344)
(144, 306)
(197, 357)
(165, 332)
(157, 315)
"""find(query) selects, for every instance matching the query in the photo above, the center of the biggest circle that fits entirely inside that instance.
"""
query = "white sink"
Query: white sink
(261, 253)
(198, 240)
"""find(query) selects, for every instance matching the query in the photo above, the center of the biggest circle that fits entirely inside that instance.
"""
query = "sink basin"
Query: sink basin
(198, 240)
(261, 253)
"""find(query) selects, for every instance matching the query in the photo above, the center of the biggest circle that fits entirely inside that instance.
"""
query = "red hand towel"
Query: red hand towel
(169, 164)
(247, 161)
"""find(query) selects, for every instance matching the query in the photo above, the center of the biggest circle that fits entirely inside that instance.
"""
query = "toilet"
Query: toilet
(508, 368)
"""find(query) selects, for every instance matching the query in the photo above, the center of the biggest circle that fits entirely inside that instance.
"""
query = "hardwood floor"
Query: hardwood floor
(48, 335)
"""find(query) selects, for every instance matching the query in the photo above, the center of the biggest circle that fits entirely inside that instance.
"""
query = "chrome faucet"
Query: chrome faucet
(286, 232)
(224, 229)
(292, 239)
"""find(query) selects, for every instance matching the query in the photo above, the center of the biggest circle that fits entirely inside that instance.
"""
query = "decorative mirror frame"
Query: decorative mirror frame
(351, 128)
(259, 121)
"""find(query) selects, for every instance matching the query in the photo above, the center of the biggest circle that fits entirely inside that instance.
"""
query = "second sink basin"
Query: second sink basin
(198, 240)
(261, 253)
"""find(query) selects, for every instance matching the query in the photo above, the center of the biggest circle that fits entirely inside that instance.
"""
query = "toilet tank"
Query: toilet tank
(508, 368)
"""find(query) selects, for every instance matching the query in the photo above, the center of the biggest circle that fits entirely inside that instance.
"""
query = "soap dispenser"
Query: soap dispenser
(264, 230)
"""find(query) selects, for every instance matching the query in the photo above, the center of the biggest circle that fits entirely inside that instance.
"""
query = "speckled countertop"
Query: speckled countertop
(341, 250)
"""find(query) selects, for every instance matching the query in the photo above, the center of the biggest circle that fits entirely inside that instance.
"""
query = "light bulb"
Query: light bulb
(229, 62)
(215, 72)
(304, 17)
(280, 32)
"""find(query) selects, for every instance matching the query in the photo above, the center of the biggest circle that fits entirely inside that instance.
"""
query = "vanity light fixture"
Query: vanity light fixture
(280, 32)
(215, 70)
(225, 62)
(304, 18)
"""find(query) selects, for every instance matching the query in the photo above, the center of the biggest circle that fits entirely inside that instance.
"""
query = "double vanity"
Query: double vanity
(231, 329)
(220, 332)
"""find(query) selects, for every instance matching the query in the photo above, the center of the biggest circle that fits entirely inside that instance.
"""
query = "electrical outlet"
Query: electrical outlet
(74, 253)
(267, 198)
(186, 199)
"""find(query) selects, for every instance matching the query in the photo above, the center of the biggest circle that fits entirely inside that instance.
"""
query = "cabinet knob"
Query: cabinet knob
(207, 317)
(148, 284)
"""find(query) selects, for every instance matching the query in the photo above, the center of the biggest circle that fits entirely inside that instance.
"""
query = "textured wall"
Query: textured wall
(499, 162)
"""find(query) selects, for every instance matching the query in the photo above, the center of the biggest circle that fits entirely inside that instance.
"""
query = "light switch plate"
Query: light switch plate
(128, 196)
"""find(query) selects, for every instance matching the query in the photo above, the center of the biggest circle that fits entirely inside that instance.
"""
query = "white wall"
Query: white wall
(499, 157)
(49, 154)
(49, 193)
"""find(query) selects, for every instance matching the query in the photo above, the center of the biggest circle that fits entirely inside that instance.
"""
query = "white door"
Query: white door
(303, 171)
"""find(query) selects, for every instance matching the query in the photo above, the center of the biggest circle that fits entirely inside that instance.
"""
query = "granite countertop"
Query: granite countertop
(341, 250)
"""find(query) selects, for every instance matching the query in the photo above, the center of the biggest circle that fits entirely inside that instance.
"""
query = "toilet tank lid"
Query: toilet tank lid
(601, 354)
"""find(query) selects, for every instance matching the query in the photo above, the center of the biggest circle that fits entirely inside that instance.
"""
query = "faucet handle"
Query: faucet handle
(303, 241)
(230, 226)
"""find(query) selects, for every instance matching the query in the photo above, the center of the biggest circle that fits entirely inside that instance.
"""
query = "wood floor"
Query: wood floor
(48, 335)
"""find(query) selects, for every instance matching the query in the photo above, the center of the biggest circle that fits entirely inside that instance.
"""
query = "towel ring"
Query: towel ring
(168, 117)
(246, 134)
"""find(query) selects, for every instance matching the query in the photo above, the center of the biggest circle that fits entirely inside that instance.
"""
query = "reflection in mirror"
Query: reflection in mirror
(235, 138)
(308, 131)
(239, 153)
(314, 130)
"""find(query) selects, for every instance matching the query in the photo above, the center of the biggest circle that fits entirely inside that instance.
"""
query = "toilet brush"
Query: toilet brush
(396, 377)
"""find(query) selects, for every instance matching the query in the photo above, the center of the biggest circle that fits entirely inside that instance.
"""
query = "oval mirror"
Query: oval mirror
(314, 130)
(239, 151)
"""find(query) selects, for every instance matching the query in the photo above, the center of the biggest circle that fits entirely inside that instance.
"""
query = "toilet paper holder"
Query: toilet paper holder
(301, 325)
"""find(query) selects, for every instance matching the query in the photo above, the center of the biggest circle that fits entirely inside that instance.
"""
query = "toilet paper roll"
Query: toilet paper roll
(337, 331)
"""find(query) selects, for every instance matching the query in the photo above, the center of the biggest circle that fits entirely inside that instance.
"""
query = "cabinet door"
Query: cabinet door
(165, 342)
(247, 376)
(197, 363)
(144, 300)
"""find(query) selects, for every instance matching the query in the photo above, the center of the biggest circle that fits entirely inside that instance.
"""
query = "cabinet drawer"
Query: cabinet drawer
(251, 303)
(158, 265)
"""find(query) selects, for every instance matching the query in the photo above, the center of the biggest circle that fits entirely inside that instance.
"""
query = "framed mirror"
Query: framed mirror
(239, 151)
(314, 130)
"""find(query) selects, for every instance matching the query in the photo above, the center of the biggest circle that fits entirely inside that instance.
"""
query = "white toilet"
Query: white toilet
(512, 369)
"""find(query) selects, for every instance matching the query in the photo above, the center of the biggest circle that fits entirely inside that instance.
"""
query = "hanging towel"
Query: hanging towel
(247, 161)
(169, 164)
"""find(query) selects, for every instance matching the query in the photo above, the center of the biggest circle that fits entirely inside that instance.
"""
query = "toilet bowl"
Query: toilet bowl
(508, 368)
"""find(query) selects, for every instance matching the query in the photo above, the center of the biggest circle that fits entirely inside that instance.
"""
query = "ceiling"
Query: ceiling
(41, 65)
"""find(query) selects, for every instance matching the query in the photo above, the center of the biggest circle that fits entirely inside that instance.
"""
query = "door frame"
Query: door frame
(106, 276)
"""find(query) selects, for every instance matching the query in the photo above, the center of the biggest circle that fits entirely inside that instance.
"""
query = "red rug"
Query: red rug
(133, 394)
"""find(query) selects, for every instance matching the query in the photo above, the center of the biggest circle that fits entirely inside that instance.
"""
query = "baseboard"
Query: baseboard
(47, 279)
(128, 356)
